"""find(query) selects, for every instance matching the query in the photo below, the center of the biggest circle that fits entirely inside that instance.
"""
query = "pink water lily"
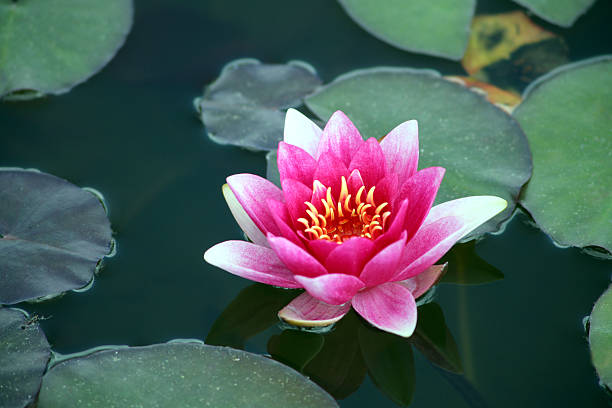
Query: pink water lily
(353, 224)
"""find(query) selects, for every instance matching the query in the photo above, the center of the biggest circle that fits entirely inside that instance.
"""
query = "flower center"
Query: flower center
(345, 217)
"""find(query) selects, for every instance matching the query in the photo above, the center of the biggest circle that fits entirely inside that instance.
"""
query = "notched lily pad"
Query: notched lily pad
(24, 353)
(600, 337)
(52, 235)
(245, 105)
(408, 25)
(560, 12)
(482, 148)
(186, 374)
(49, 46)
(566, 117)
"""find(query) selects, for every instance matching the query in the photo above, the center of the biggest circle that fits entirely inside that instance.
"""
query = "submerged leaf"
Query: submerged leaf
(483, 149)
(52, 235)
(408, 24)
(49, 46)
(188, 374)
(24, 353)
(295, 348)
(465, 267)
(566, 117)
(245, 105)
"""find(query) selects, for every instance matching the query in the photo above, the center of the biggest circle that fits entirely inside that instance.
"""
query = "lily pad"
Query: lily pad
(52, 235)
(408, 25)
(566, 117)
(49, 46)
(185, 374)
(245, 105)
(560, 12)
(24, 353)
(483, 149)
(600, 337)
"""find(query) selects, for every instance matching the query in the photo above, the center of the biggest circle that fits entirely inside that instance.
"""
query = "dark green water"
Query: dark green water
(131, 132)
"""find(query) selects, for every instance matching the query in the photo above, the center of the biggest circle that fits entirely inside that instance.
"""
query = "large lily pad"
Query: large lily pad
(408, 25)
(483, 149)
(600, 337)
(24, 353)
(185, 374)
(52, 235)
(48, 46)
(245, 105)
(560, 12)
(566, 117)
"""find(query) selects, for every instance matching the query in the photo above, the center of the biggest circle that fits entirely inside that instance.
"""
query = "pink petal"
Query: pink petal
(350, 256)
(383, 266)
(252, 192)
(421, 190)
(242, 218)
(301, 132)
(295, 163)
(283, 222)
(333, 288)
(329, 171)
(387, 190)
(370, 161)
(340, 137)
(306, 311)
(355, 181)
(421, 283)
(252, 262)
(296, 194)
(321, 248)
(438, 234)
(390, 307)
(394, 228)
(401, 149)
(295, 258)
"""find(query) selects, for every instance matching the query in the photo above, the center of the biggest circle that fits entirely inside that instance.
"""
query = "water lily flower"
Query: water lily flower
(353, 224)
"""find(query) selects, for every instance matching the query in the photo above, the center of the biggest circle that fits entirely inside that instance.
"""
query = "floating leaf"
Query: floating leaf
(600, 337)
(566, 117)
(272, 173)
(52, 235)
(465, 267)
(186, 374)
(24, 353)
(390, 363)
(295, 348)
(408, 25)
(252, 311)
(560, 12)
(434, 340)
(49, 46)
(245, 105)
(506, 100)
(483, 149)
(495, 36)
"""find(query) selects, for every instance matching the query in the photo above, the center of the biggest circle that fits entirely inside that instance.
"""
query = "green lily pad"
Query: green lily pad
(185, 374)
(52, 235)
(600, 337)
(483, 149)
(390, 363)
(24, 353)
(49, 46)
(566, 117)
(440, 28)
(246, 105)
(560, 12)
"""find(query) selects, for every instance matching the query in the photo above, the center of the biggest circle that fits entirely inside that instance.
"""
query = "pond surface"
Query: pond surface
(132, 133)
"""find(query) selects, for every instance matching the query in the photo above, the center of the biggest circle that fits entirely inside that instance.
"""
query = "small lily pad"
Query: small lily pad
(408, 25)
(245, 105)
(49, 46)
(566, 117)
(560, 12)
(600, 337)
(482, 148)
(24, 353)
(52, 235)
(185, 374)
